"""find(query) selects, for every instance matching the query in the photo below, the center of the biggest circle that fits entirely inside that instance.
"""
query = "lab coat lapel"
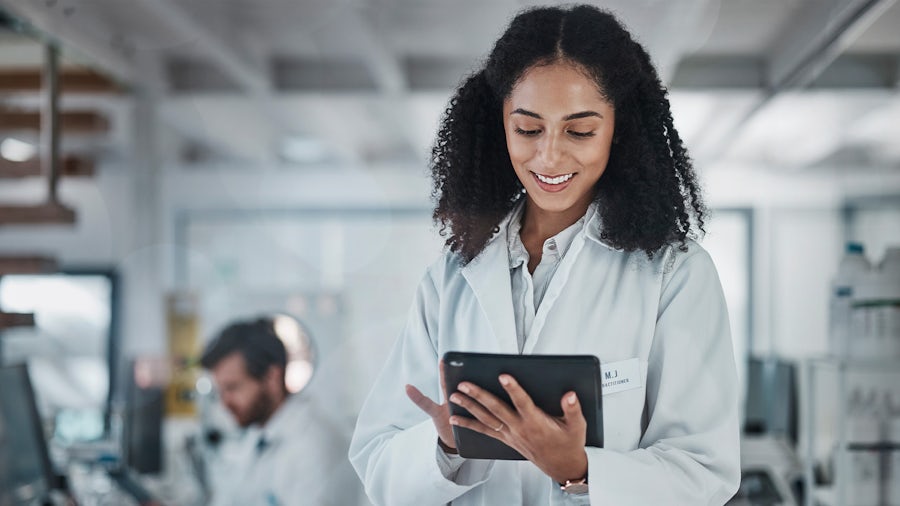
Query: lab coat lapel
(488, 276)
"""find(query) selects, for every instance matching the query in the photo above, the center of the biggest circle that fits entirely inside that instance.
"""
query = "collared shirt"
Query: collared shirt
(528, 289)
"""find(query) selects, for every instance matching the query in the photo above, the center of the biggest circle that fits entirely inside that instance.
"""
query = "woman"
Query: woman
(569, 203)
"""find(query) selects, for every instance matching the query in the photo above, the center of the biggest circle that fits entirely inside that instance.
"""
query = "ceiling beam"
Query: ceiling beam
(678, 28)
(847, 71)
(387, 72)
(820, 31)
(175, 18)
(254, 81)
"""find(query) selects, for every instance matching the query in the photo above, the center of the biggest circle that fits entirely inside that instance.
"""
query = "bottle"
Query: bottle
(852, 266)
(890, 272)
(875, 311)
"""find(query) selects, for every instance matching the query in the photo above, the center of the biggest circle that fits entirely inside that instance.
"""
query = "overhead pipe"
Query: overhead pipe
(851, 22)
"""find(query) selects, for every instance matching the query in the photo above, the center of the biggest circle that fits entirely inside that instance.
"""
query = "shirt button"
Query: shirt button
(552, 246)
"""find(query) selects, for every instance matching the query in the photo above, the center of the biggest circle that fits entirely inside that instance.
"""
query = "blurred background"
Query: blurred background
(167, 166)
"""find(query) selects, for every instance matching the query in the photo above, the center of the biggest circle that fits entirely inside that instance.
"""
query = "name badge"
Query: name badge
(620, 376)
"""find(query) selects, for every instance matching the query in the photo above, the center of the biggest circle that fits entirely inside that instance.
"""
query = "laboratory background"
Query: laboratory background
(170, 166)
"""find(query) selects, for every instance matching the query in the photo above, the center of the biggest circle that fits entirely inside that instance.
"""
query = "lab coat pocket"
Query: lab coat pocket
(623, 390)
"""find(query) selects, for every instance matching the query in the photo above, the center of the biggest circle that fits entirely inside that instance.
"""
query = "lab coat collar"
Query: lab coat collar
(488, 275)
(279, 425)
(593, 225)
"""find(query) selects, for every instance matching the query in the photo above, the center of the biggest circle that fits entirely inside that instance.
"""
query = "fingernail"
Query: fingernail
(504, 379)
(454, 421)
(463, 388)
(572, 399)
(455, 399)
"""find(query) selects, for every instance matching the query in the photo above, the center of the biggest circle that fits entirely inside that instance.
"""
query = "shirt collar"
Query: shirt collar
(517, 253)
(591, 226)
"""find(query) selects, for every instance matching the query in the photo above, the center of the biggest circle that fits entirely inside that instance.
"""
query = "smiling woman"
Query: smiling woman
(568, 204)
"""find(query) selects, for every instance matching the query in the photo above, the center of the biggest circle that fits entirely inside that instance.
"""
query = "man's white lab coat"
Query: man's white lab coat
(297, 458)
(674, 439)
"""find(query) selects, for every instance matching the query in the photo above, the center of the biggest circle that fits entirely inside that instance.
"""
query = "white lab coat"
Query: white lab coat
(302, 462)
(674, 440)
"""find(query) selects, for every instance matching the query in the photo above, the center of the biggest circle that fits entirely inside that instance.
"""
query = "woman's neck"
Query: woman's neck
(539, 225)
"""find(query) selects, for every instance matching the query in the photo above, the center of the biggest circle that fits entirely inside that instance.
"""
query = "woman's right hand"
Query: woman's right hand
(439, 413)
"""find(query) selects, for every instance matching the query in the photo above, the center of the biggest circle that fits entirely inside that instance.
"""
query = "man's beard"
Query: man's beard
(260, 411)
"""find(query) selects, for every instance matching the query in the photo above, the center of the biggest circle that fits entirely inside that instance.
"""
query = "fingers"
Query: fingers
(443, 380)
(520, 398)
(430, 407)
(477, 410)
(572, 410)
(491, 403)
(479, 426)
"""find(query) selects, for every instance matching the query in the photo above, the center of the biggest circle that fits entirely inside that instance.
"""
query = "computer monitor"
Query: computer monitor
(71, 350)
(771, 398)
(26, 475)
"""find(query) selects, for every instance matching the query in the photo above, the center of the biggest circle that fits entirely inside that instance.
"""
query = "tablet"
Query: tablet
(546, 378)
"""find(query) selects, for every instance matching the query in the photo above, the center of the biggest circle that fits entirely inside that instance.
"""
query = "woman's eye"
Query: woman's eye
(581, 134)
(528, 133)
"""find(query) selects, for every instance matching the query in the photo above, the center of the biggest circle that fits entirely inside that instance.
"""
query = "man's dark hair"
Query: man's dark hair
(648, 195)
(255, 340)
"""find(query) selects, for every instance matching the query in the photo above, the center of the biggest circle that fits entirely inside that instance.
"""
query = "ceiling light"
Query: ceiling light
(15, 150)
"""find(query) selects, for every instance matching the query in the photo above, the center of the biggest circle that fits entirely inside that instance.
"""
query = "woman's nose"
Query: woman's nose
(551, 151)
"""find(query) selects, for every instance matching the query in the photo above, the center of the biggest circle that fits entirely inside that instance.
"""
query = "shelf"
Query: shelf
(834, 377)
(873, 447)
(10, 320)
(26, 264)
(50, 213)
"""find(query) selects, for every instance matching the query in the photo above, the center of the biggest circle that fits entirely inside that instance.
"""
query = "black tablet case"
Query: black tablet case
(544, 377)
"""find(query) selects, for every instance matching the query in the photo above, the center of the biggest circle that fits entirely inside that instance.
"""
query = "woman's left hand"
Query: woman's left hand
(554, 444)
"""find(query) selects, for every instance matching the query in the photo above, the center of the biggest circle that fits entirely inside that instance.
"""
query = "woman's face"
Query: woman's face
(559, 130)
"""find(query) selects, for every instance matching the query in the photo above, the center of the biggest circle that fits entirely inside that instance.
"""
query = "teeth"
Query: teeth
(554, 180)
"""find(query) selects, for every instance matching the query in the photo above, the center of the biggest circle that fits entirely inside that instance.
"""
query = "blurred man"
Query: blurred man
(289, 454)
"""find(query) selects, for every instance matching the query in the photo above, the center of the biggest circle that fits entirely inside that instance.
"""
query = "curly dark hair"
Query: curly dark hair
(648, 196)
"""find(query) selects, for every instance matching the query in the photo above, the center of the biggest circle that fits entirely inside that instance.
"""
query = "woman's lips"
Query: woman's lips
(553, 184)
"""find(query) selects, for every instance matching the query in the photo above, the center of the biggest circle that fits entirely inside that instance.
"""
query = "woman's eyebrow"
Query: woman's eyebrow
(526, 113)
(577, 115)
(583, 114)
